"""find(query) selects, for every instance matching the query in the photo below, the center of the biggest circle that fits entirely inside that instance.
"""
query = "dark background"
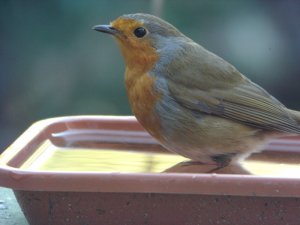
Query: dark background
(53, 64)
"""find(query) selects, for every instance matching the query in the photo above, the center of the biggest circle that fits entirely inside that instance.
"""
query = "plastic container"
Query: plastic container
(91, 170)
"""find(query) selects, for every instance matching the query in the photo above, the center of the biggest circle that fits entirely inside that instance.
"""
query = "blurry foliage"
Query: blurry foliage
(53, 64)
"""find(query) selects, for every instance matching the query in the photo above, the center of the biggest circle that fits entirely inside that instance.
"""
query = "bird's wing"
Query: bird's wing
(226, 93)
(242, 104)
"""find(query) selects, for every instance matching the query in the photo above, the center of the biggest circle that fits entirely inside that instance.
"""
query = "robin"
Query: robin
(192, 101)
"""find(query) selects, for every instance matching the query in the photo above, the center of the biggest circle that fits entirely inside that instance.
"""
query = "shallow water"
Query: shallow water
(49, 157)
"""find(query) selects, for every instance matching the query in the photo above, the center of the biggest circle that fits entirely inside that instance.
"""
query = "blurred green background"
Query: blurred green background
(53, 64)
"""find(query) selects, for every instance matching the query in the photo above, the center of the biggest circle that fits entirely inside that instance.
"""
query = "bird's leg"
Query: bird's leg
(191, 163)
(222, 160)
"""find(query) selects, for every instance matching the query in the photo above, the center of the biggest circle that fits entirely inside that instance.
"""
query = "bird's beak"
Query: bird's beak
(105, 29)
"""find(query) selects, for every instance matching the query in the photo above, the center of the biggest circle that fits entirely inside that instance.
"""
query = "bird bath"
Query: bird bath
(108, 170)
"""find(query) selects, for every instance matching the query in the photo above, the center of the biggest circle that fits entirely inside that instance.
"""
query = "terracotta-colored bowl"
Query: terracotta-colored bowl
(107, 170)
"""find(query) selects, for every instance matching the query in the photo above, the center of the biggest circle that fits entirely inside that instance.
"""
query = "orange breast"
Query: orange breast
(140, 56)
(143, 98)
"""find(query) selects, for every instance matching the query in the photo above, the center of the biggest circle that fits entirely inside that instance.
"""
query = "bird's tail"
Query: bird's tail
(296, 115)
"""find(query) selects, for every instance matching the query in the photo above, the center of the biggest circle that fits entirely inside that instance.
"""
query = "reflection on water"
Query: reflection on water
(247, 167)
(272, 169)
(49, 157)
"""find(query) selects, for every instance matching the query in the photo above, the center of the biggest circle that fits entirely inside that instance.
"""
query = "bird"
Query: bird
(193, 102)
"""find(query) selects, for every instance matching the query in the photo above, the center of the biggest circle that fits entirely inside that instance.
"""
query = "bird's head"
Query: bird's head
(142, 37)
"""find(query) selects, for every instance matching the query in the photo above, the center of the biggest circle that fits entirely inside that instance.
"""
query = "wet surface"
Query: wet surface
(49, 157)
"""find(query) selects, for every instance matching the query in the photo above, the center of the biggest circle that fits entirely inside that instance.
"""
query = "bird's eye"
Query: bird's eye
(140, 32)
